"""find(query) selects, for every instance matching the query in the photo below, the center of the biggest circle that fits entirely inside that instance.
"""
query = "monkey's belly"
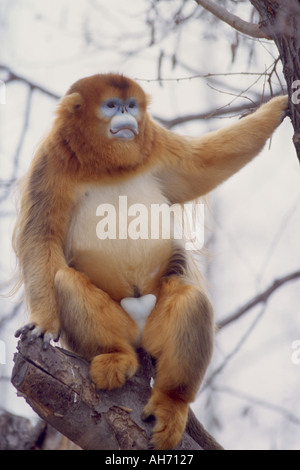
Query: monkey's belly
(127, 270)
(113, 240)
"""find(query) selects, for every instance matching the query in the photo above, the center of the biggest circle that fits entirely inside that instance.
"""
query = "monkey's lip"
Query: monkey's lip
(123, 126)
(124, 133)
(125, 129)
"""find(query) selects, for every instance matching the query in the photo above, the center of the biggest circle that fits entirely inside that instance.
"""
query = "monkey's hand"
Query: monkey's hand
(31, 331)
(276, 109)
(278, 104)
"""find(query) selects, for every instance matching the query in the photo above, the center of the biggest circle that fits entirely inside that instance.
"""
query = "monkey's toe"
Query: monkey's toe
(31, 331)
(111, 370)
(170, 420)
(24, 330)
(148, 412)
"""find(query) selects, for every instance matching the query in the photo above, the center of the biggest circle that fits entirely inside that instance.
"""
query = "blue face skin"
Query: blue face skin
(123, 114)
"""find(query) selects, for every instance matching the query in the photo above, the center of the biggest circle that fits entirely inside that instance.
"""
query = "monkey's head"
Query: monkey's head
(103, 118)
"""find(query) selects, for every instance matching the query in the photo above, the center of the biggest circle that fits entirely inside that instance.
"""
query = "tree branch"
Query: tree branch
(56, 384)
(260, 298)
(232, 20)
(281, 22)
(256, 401)
(12, 76)
(224, 111)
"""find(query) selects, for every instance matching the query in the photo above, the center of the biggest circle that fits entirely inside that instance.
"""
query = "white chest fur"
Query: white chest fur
(120, 265)
(114, 211)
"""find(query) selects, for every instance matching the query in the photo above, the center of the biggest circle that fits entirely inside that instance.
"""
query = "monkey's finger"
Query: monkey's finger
(48, 337)
(35, 333)
(24, 329)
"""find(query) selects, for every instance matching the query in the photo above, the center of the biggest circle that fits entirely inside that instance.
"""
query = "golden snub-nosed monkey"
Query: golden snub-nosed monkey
(107, 296)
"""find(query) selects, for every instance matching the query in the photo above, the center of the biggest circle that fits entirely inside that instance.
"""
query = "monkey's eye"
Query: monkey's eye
(110, 107)
(111, 104)
(132, 106)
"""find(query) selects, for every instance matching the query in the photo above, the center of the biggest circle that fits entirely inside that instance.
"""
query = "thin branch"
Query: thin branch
(198, 75)
(170, 123)
(260, 298)
(12, 76)
(24, 130)
(251, 29)
(255, 401)
(10, 316)
(280, 233)
(7, 190)
(236, 348)
(4, 183)
(224, 111)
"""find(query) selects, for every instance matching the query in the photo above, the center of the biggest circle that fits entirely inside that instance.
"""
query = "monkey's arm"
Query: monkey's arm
(38, 242)
(195, 167)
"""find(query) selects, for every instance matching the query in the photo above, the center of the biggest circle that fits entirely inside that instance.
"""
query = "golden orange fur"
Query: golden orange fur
(74, 282)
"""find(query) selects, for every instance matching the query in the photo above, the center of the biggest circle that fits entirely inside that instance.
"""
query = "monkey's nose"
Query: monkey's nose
(123, 126)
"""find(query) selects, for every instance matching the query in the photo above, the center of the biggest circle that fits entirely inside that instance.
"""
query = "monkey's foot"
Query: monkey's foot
(32, 331)
(170, 419)
(111, 370)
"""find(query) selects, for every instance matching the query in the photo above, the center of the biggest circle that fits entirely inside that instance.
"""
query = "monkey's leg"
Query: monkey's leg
(179, 334)
(96, 327)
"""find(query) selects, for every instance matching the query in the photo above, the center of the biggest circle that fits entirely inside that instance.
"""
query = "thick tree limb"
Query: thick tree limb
(56, 384)
(232, 20)
(281, 22)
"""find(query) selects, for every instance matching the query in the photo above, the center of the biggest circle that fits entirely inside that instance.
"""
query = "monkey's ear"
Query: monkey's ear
(72, 102)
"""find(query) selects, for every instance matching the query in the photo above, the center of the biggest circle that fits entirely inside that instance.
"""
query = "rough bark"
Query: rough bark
(56, 384)
(280, 20)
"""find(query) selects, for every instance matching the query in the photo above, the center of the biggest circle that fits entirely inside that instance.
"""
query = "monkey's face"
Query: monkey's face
(105, 115)
(121, 117)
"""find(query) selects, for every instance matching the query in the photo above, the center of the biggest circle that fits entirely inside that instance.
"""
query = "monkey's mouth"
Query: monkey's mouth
(124, 134)
(123, 127)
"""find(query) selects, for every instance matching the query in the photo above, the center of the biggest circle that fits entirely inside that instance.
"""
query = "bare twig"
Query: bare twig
(10, 316)
(251, 29)
(236, 348)
(199, 75)
(12, 76)
(259, 402)
(7, 189)
(260, 298)
(224, 111)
